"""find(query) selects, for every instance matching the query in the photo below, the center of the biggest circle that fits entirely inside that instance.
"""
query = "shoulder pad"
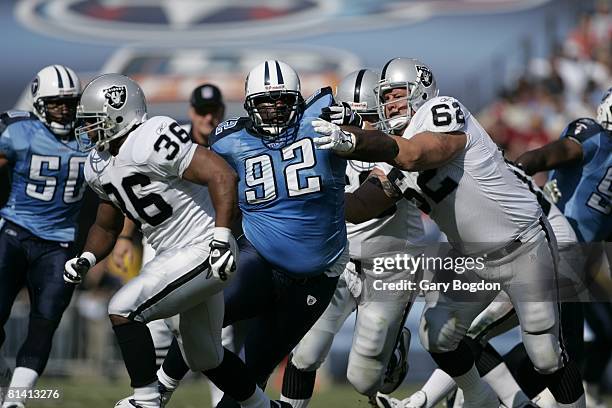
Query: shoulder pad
(228, 127)
(441, 114)
(140, 143)
(9, 117)
(319, 93)
(582, 129)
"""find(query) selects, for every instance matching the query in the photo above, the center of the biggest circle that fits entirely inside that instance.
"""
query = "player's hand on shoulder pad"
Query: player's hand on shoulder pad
(341, 115)
(223, 256)
(551, 190)
(332, 137)
(76, 268)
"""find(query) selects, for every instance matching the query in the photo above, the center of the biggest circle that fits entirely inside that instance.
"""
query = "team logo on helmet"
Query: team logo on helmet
(34, 85)
(425, 75)
(116, 96)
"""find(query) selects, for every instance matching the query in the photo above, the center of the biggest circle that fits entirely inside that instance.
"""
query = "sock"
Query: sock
(233, 377)
(438, 386)
(168, 382)
(23, 380)
(474, 389)
(174, 365)
(531, 382)
(215, 393)
(457, 362)
(494, 372)
(545, 399)
(505, 386)
(566, 386)
(138, 352)
(298, 385)
(257, 400)
(147, 396)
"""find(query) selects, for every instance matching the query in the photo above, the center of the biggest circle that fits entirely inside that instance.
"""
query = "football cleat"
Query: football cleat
(398, 364)
(14, 405)
(386, 401)
(279, 404)
(416, 400)
(128, 402)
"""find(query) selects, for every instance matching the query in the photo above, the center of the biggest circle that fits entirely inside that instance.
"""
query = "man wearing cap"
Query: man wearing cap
(206, 111)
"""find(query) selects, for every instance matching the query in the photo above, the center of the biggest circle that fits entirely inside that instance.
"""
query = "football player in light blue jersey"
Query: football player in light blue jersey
(292, 201)
(581, 181)
(38, 223)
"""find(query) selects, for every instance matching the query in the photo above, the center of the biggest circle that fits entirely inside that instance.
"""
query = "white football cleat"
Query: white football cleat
(385, 401)
(416, 400)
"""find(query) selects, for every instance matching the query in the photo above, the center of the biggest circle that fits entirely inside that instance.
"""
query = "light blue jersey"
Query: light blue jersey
(292, 198)
(47, 177)
(586, 188)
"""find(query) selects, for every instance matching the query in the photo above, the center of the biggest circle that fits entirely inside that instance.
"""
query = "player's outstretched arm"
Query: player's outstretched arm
(100, 241)
(560, 153)
(424, 151)
(428, 150)
(375, 196)
(208, 168)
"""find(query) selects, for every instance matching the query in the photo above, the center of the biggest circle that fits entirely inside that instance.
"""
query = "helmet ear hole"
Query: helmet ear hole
(119, 119)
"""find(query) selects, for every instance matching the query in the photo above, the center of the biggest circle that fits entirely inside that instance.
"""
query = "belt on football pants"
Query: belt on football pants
(358, 265)
(513, 245)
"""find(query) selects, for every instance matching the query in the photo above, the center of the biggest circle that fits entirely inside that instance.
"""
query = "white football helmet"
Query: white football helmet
(273, 98)
(56, 84)
(110, 107)
(419, 82)
(604, 110)
(357, 89)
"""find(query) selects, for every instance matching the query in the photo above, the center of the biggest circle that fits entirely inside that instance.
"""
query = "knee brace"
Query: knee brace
(439, 333)
(34, 353)
(544, 351)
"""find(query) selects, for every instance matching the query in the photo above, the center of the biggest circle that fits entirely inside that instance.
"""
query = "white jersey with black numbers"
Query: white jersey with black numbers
(144, 181)
(475, 199)
(390, 232)
(560, 225)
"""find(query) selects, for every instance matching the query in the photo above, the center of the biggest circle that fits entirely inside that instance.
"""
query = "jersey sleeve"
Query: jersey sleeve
(93, 166)
(322, 98)
(443, 114)
(8, 133)
(581, 130)
(168, 148)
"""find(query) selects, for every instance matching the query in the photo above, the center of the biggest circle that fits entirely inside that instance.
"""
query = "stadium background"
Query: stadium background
(526, 67)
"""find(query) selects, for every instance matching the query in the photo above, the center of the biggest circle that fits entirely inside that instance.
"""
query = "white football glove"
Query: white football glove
(341, 115)
(76, 268)
(223, 254)
(551, 190)
(332, 137)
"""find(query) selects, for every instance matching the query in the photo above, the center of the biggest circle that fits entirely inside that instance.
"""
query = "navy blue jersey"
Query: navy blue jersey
(586, 188)
(47, 177)
(291, 198)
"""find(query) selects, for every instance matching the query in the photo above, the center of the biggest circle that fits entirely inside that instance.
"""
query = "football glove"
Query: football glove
(332, 137)
(341, 115)
(76, 268)
(223, 255)
(551, 190)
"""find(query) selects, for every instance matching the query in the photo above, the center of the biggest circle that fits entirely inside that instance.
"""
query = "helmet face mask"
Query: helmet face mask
(418, 84)
(604, 111)
(55, 92)
(274, 102)
(110, 107)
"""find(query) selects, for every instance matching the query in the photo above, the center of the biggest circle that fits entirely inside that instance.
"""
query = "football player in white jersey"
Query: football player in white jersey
(446, 161)
(380, 318)
(150, 171)
(496, 319)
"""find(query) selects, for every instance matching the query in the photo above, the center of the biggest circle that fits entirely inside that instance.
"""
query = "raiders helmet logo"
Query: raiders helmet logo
(116, 96)
(425, 75)
(34, 86)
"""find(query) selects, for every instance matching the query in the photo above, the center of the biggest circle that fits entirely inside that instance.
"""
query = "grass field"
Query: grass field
(88, 393)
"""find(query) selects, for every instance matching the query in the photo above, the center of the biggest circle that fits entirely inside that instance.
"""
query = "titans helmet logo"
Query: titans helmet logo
(34, 86)
(425, 75)
(116, 96)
